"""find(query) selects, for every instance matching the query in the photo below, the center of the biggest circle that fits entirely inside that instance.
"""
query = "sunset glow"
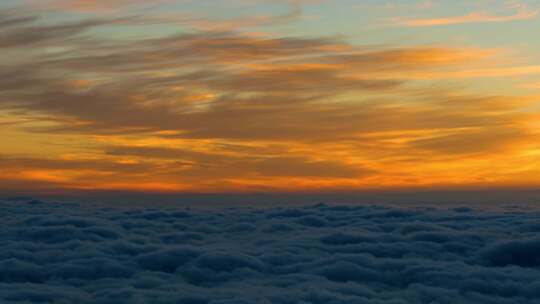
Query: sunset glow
(239, 96)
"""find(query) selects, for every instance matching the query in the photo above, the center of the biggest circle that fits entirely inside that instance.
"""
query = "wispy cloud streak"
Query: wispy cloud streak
(221, 108)
(522, 13)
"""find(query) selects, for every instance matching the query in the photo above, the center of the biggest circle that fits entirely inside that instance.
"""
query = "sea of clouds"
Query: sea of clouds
(336, 254)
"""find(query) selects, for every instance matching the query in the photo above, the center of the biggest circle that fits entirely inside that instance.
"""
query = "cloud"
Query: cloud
(523, 253)
(92, 253)
(145, 13)
(522, 13)
(172, 168)
(89, 6)
(475, 141)
(229, 110)
(22, 32)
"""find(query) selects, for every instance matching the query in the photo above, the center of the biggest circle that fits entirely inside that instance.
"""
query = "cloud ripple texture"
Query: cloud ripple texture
(336, 254)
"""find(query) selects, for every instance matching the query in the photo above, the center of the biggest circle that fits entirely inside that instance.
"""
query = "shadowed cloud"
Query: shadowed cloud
(325, 253)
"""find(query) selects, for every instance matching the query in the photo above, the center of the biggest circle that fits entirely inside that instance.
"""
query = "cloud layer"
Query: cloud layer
(77, 253)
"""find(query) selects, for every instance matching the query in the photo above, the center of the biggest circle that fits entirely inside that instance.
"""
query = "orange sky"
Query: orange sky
(287, 96)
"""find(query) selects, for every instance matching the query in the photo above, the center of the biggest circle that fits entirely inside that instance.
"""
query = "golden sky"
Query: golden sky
(226, 96)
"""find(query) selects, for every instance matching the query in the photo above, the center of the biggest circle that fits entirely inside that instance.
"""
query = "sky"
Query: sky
(177, 96)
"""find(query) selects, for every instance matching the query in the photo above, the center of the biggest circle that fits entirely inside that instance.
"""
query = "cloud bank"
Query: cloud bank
(76, 253)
